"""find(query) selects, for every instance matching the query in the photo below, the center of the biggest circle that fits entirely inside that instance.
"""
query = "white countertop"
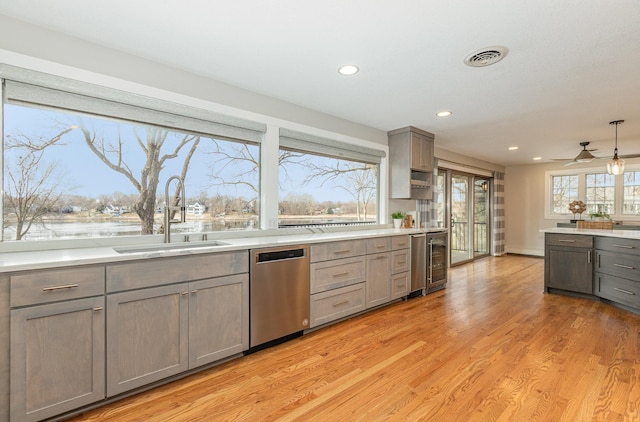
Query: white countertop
(19, 261)
(625, 234)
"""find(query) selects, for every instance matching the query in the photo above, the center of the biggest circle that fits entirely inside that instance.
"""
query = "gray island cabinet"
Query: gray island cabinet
(601, 264)
(568, 263)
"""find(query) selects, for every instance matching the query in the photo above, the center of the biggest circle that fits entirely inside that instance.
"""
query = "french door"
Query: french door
(467, 203)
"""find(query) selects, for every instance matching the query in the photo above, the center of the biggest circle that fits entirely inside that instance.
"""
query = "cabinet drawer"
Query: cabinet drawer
(400, 285)
(329, 275)
(619, 245)
(336, 304)
(159, 271)
(573, 240)
(618, 290)
(54, 285)
(335, 250)
(399, 242)
(378, 244)
(400, 261)
(621, 265)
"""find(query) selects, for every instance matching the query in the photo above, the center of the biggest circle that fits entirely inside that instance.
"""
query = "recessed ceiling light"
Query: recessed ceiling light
(513, 148)
(444, 114)
(537, 158)
(348, 70)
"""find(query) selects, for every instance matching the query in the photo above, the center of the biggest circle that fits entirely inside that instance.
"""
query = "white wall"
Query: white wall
(42, 50)
(524, 204)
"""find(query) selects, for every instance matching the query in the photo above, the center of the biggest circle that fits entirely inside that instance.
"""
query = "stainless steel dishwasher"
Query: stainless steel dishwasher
(279, 293)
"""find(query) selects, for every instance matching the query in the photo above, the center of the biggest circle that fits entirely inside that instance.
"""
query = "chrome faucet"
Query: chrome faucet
(168, 208)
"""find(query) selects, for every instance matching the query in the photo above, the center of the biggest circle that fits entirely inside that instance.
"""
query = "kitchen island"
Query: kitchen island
(594, 264)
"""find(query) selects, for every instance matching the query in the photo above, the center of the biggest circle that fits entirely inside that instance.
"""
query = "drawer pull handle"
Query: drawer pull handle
(99, 308)
(184, 293)
(380, 246)
(66, 286)
(340, 274)
(344, 302)
(624, 291)
(402, 262)
(627, 267)
(194, 291)
(624, 246)
(343, 251)
(382, 257)
(566, 240)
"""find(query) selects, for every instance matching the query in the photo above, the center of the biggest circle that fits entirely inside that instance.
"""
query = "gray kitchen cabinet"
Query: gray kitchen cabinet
(411, 160)
(400, 267)
(57, 358)
(218, 318)
(57, 341)
(378, 285)
(147, 336)
(617, 276)
(337, 277)
(337, 303)
(157, 332)
(568, 263)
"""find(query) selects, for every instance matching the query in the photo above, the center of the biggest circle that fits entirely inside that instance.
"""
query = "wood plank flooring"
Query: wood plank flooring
(491, 347)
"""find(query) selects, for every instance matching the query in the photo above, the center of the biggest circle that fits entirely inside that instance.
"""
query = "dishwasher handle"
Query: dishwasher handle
(280, 255)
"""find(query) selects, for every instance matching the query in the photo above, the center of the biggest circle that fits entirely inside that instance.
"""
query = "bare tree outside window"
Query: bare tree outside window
(565, 191)
(157, 148)
(600, 192)
(33, 187)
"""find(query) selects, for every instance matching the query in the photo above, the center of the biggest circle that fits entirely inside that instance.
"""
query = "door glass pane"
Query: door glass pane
(481, 217)
(460, 229)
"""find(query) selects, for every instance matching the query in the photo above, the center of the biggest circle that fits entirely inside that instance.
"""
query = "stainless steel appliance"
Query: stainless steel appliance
(418, 264)
(278, 292)
(437, 260)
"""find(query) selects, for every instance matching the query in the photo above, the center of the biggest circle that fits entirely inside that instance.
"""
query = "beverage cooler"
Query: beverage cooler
(437, 261)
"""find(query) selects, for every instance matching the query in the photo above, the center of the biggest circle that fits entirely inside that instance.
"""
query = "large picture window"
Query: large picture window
(326, 183)
(76, 167)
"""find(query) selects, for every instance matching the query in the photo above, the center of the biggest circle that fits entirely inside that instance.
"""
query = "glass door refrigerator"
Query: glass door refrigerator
(437, 261)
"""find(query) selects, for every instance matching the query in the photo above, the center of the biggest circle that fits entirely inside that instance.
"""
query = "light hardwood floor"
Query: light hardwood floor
(490, 347)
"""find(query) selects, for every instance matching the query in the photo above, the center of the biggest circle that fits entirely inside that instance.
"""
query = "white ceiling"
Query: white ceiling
(573, 65)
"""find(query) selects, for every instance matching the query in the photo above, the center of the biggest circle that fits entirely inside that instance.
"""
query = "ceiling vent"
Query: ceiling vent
(486, 56)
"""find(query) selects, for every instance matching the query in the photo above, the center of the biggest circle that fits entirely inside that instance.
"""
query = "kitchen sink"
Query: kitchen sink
(182, 248)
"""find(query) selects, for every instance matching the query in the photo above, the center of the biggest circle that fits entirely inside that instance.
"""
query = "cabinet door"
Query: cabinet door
(421, 153)
(57, 358)
(378, 279)
(400, 285)
(218, 318)
(147, 336)
(569, 269)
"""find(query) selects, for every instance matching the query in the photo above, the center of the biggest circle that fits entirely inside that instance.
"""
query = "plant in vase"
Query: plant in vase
(397, 217)
(600, 216)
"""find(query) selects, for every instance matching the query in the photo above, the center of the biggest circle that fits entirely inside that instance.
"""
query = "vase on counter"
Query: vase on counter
(397, 223)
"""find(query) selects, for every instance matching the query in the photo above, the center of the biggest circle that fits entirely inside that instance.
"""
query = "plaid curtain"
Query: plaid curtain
(498, 214)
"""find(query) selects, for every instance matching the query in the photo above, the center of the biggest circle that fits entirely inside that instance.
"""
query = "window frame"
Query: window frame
(173, 104)
(581, 173)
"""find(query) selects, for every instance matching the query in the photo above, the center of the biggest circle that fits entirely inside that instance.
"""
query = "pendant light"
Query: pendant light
(616, 165)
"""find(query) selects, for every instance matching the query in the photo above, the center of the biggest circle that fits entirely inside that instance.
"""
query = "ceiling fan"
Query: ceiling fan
(585, 156)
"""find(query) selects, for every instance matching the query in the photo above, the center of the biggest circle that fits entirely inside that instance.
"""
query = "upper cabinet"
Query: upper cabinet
(411, 163)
